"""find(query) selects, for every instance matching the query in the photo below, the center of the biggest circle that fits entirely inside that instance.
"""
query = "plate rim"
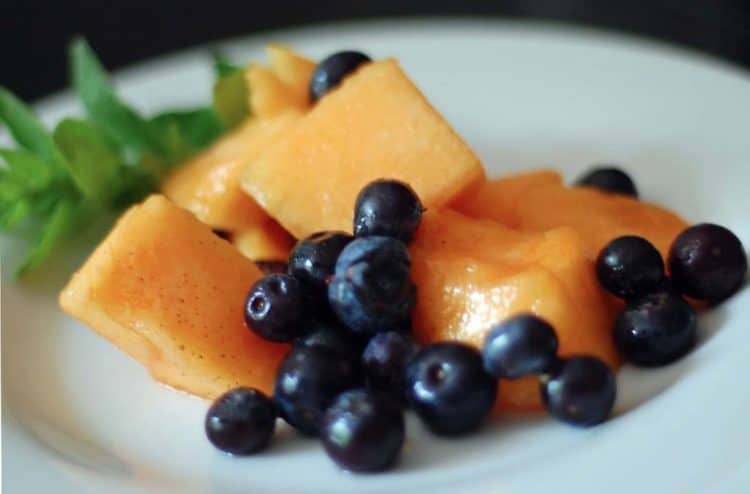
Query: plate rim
(123, 75)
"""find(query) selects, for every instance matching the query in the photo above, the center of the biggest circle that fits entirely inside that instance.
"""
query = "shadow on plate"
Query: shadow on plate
(33, 391)
(42, 411)
(53, 273)
(288, 441)
(425, 452)
(636, 385)
(78, 451)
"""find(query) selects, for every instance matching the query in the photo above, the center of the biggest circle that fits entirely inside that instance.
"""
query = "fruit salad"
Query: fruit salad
(339, 259)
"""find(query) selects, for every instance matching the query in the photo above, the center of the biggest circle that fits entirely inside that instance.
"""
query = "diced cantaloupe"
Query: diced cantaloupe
(264, 242)
(282, 86)
(269, 96)
(538, 201)
(293, 69)
(170, 293)
(499, 199)
(597, 216)
(375, 125)
(473, 273)
(209, 184)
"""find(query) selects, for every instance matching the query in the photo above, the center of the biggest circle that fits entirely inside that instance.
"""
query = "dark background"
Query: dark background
(33, 34)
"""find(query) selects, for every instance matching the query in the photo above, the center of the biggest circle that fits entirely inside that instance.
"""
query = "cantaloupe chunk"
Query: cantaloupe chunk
(269, 96)
(170, 293)
(375, 125)
(292, 69)
(264, 242)
(499, 199)
(282, 86)
(598, 217)
(209, 184)
(473, 273)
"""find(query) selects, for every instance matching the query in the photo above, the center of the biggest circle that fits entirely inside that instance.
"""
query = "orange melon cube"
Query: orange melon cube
(269, 95)
(597, 216)
(375, 125)
(473, 273)
(282, 86)
(209, 184)
(499, 199)
(292, 69)
(167, 291)
(264, 242)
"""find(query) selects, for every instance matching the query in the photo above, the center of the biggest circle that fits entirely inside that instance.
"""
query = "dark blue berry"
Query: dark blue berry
(334, 337)
(307, 380)
(384, 360)
(666, 285)
(610, 179)
(331, 71)
(363, 431)
(655, 329)
(387, 208)
(580, 392)
(275, 308)
(313, 259)
(448, 388)
(707, 262)
(630, 266)
(519, 346)
(371, 290)
(272, 267)
(241, 421)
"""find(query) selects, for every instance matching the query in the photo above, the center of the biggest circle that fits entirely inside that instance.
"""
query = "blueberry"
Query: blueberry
(272, 267)
(449, 389)
(241, 421)
(580, 392)
(313, 259)
(384, 360)
(332, 336)
(275, 308)
(371, 290)
(610, 179)
(312, 262)
(655, 329)
(707, 262)
(363, 431)
(331, 71)
(519, 346)
(388, 208)
(307, 380)
(630, 266)
(666, 285)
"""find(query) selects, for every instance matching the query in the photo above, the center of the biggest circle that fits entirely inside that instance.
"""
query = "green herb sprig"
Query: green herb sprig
(56, 182)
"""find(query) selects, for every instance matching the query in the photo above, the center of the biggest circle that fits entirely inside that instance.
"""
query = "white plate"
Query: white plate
(79, 416)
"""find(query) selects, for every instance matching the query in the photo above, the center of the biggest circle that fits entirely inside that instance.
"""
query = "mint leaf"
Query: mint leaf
(11, 189)
(92, 164)
(27, 130)
(224, 67)
(123, 124)
(27, 167)
(199, 127)
(231, 100)
(133, 184)
(44, 203)
(14, 213)
(62, 221)
(186, 132)
(57, 183)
